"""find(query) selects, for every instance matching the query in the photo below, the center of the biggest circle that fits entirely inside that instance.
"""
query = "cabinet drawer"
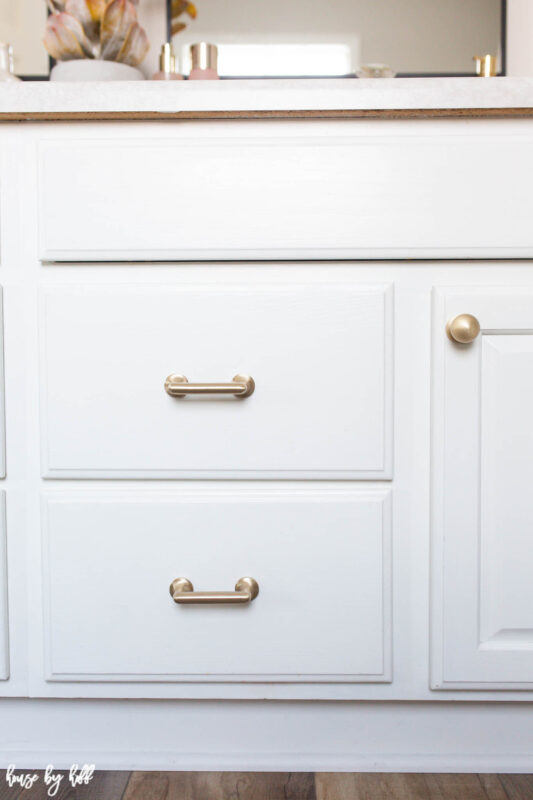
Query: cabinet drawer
(322, 562)
(287, 191)
(4, 619)
(320, 355)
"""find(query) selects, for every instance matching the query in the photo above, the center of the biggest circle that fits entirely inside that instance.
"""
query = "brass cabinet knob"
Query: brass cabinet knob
(182, 591)
(463, 328)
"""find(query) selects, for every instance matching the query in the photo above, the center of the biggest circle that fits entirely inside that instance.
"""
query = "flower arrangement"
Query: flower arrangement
(177, 9)
(97, 29)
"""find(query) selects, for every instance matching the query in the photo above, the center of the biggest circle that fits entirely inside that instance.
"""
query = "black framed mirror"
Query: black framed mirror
(295, 38)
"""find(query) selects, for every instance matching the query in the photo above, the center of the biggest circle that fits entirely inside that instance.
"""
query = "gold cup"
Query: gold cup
(485, 66)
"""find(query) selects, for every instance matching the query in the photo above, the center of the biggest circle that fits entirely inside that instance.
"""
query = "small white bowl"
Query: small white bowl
(93, 69)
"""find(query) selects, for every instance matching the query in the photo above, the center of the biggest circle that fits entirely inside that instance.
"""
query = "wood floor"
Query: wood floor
(280, 786)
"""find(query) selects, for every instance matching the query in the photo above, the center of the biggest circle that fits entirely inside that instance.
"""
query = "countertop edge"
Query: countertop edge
(396, 98)
(388, 113)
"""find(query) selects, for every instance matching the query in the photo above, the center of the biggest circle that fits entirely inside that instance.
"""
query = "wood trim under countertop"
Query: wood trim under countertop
(401, 113)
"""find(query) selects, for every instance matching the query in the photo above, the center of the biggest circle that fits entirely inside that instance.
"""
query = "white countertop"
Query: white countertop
(27, 100)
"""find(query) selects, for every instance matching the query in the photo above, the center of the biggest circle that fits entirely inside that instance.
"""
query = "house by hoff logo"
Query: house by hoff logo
(77, 776)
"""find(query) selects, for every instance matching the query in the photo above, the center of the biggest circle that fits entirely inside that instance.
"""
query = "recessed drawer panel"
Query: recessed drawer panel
(288, 191)
(321, 561)
(319, 354)
(4, 625)
(2, 392)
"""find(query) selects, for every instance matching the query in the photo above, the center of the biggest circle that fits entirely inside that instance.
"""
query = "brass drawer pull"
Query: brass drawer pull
(178, 386)
(462, 329)
(182, 591)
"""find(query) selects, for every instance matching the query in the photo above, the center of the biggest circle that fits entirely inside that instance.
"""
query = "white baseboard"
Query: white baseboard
(267, 736)
(272, 762)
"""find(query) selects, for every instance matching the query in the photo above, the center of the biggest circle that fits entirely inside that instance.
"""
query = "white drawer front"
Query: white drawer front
(320, 355)
(322, 561)
(4, 626)
(282, 191)
(2, 393)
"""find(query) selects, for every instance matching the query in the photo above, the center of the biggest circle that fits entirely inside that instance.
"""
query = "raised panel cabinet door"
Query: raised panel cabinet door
(4, 627)
(321, 559)
(320, 355)
(482, 474)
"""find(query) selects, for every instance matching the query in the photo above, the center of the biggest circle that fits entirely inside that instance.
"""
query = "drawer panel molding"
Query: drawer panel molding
(345, 194)
(322, 561)
(319, 405)
(4, 617)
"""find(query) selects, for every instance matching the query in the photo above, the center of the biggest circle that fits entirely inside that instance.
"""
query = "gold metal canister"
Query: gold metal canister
(204, 56)
(485, 66)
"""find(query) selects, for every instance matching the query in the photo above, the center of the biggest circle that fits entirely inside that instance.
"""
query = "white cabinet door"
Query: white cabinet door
(4, 638)
(320, 355)
(483, 493)
(321, 559)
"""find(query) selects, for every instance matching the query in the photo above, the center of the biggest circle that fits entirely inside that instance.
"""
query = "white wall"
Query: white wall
(520, 38)
(152, 16)
(22, 25)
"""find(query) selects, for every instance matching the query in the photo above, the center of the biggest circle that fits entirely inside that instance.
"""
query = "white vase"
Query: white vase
(91, 69)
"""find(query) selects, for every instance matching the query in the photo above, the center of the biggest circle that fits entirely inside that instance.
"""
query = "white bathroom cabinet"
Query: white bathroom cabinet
(376, 483)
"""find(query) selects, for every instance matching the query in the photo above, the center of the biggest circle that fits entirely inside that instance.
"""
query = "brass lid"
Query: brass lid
(485, 65)
(167, 59)
(204, 56)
